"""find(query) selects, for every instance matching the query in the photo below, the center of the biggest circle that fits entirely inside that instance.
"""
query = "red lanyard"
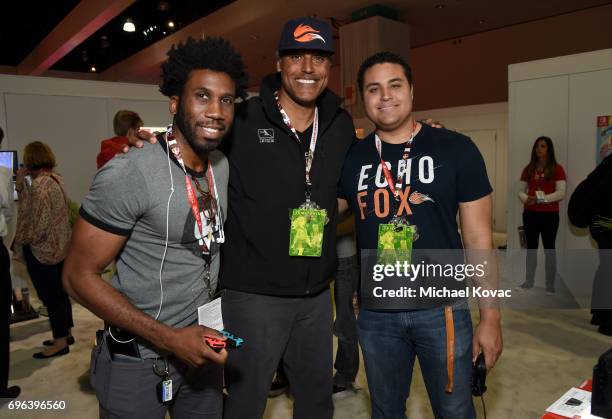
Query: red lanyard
(191, 195)
(394, 186)
(313, 140)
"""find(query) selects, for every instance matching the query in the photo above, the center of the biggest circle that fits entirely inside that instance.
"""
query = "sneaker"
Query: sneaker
(526, 285)
(550, 291)
(278, 387)
(10, 393)
(339, 392)
(605, 330)
(338, 389)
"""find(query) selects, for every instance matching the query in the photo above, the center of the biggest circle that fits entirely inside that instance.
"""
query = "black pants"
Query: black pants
(545, 224)
(297, 331)
(601, 300)
(345, 327)
(6, 291)
(47, 280)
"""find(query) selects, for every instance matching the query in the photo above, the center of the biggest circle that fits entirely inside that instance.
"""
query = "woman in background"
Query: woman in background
(42, 237)
(543, 186)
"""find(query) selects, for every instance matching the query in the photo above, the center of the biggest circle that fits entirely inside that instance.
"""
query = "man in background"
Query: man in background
(6, 202)
(125, 124)
(590, 206)
(346, 284)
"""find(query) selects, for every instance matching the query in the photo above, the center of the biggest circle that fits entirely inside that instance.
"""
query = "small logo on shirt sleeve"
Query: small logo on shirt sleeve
(266, 135)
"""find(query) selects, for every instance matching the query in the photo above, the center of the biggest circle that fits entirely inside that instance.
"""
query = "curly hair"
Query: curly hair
(212, 53)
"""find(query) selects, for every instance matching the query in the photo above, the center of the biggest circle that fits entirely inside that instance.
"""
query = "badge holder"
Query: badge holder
(307, 227)
(164, 387)
(395, 241)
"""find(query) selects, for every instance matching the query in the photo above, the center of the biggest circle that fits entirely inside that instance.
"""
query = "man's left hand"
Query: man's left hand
(488, 339)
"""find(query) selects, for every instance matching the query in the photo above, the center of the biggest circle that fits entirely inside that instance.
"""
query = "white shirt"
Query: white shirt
(6, 200)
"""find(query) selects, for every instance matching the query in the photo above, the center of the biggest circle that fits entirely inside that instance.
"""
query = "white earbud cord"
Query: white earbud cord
(161, 266)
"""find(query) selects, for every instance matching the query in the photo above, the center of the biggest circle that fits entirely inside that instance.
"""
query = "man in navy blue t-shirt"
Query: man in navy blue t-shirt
(432, 175)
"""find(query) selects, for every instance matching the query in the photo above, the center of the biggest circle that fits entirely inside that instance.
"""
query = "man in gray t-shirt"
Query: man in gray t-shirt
(129, 197)
(159, 213)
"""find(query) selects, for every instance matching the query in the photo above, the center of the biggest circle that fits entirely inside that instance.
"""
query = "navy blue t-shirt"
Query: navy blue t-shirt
(444, 168)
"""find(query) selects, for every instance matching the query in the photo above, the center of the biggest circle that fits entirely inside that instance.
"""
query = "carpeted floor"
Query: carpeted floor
(546, 352)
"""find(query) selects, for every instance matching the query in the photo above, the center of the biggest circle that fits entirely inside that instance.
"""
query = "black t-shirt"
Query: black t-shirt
(444, 168)
(305, 139)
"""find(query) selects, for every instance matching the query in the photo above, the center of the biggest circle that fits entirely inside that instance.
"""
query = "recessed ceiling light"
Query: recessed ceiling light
(170, 24)
(440, 6)
(129, 26)
(104, 42)
(482, 22)
(92, 69)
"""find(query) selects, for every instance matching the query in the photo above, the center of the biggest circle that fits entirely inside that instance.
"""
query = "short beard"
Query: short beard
(189, 134)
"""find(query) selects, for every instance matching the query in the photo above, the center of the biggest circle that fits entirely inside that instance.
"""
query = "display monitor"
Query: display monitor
(9, 161)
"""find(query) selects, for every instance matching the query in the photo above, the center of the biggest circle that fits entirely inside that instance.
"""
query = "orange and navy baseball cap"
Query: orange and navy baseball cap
(306, 33)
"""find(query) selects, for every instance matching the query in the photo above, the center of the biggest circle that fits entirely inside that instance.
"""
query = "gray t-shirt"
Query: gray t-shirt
(129, 196)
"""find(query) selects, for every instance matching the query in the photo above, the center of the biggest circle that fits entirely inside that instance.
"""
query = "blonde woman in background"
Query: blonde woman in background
(42, 238)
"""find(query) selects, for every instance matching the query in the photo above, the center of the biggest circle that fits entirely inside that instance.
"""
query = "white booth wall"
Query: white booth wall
(73, 117)
(561, 98)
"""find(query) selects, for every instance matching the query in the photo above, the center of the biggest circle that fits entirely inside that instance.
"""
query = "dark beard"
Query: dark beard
(189, 134)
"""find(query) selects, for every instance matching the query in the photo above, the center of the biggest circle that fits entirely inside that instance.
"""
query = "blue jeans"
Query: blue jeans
(390, 341)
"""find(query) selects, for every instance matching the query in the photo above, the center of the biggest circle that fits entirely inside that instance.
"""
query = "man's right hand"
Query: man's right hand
(188, 344)
(432, 123)
(137, 140)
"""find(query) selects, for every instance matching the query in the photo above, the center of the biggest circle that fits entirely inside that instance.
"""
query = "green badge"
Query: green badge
(395, 243)
(306, 236)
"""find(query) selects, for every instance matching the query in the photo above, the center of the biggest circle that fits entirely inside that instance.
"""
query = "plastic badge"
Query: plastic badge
(395, 243)
(164, 390)
(306, 234)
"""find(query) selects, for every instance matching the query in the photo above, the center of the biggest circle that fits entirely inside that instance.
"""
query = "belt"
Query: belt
(450, 348)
